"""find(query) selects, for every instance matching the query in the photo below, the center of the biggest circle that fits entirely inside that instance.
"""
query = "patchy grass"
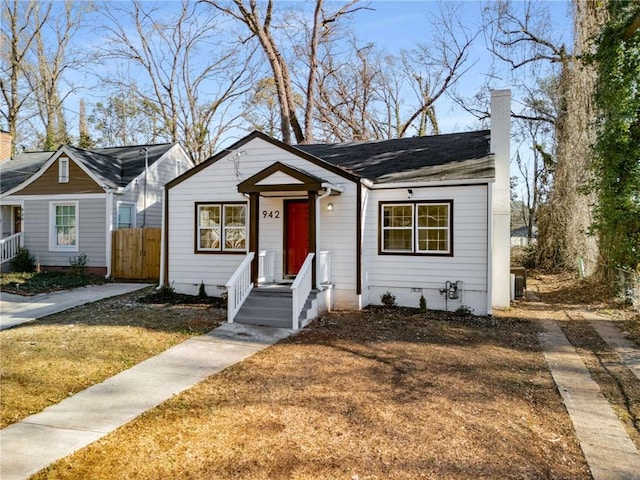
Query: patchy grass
(34, 283)
(368, 395)
(45, 361)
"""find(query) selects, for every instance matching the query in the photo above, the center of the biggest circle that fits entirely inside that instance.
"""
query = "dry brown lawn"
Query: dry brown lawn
(373, 395)
(380, 394)
(45, 361)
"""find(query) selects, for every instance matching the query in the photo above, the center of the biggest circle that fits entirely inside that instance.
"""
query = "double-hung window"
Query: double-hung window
(416, 228)
(126, 215)
(63, 229)
(221, 227)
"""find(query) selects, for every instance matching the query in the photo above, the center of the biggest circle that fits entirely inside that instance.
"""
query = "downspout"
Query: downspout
(489, 248)
(163, 232)
(144, 200)
(109, 227)
(318, 213)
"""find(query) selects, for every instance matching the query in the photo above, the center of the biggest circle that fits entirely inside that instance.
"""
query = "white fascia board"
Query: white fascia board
(332, 186)
(62, 197)
(438, 183)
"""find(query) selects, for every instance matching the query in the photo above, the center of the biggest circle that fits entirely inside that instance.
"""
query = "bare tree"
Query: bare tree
(348, 96)
(260, 25)
(52, 57)
(366, 94)
(520, 35)
(17, 40)
(191, 71)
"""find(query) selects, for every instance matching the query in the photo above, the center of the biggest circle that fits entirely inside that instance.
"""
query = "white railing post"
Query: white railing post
(301, 289)
(9, 246)
(266, 266)
(261, 266)
(324, 268)
(239, 286)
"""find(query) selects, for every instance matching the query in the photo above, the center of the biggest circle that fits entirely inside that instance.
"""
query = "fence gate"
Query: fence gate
(136, 253)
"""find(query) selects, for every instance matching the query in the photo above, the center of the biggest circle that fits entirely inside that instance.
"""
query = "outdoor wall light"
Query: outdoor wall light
(330, 207)
(409, 193)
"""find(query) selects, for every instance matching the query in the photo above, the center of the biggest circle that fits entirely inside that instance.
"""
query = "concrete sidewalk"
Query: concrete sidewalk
(610, 453)
(18, 309)
(59, 430)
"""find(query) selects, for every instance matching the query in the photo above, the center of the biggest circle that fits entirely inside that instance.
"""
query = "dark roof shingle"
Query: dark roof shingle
(452, 156)
(115, 166)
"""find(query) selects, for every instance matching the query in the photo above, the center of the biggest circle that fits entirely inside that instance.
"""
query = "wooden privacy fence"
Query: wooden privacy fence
(136, 253)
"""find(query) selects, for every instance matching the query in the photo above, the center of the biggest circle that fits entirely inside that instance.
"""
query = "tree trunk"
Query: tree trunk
(564, 237)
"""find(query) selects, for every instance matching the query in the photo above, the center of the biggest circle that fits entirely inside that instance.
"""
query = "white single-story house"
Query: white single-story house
(336, 226)
(64, 203)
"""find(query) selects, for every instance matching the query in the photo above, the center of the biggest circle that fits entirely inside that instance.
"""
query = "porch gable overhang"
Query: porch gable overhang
(286, 179)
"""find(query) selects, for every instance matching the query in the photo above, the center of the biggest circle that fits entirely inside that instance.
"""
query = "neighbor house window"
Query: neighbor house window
(416, 228)
(221, 227)
(64, 226)
(126, 215)
(63, 170)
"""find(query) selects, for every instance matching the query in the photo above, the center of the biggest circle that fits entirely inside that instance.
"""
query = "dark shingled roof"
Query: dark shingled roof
(114, 167)
(455, 156)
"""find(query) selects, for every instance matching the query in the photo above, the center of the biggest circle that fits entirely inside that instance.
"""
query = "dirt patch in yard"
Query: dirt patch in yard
(379, 394)
(45, 361)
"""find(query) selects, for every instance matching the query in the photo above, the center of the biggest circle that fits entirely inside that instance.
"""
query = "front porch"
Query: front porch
(287, 303)
(288, 279)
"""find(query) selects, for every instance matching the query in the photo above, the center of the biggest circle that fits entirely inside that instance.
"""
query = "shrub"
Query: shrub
(166, 293)
(423, 304)
(388, 300)
(464, 311)
(23, 261)
(79, 265)
(202, 293)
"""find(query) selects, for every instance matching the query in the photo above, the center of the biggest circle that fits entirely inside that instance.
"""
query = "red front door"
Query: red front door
(296, 245)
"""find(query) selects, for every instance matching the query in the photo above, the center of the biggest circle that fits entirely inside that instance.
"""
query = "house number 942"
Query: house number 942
(271, 214)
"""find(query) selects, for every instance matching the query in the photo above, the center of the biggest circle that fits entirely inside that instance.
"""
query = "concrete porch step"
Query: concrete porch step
(268, 307)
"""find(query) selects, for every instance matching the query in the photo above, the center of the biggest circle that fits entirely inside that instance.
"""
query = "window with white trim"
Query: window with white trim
(126, 215)
(416, 228)
(63, 170)
(221, 227)
(63, 229)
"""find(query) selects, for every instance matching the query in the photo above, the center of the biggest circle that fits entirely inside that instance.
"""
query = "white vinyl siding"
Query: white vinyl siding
(91, 238)
(159, 174)
(407, 276)
(218, 184)
(63, 226)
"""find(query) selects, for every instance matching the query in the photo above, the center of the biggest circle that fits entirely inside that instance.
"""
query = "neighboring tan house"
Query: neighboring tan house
(287, 231)
(62, 204)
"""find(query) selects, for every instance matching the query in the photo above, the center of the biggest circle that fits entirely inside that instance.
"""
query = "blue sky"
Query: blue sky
(395, 25)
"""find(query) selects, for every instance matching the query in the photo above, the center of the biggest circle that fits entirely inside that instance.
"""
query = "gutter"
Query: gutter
(109, 228)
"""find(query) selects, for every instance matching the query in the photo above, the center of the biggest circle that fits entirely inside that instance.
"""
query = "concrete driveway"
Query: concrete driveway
(18, 309)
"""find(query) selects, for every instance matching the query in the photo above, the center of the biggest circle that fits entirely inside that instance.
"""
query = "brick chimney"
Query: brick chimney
(501, 198)
(5, 145)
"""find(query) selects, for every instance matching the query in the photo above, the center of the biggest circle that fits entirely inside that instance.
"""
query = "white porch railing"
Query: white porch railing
(266, 266)
(9, 246)
(301, 289)
(324, 268)
(239, 286)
